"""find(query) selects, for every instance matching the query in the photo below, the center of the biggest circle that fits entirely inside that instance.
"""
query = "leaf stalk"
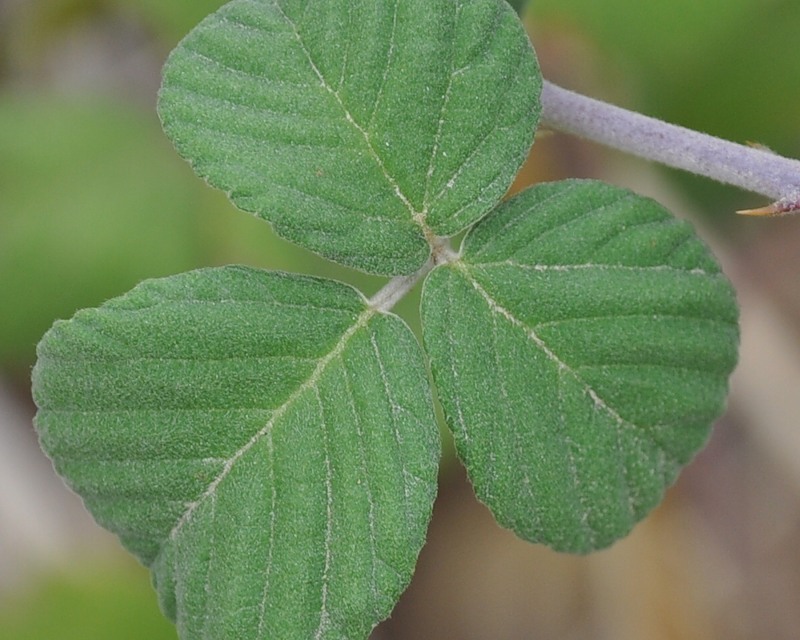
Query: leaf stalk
(397, 288)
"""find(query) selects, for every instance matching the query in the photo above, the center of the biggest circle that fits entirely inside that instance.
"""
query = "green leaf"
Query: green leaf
(264, 442)
(581, 347)
(359, 129)
(63, 163)
(171, 19)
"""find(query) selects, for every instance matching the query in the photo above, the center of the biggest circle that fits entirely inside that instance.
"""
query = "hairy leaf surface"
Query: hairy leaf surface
(581, 348)
(264, 442)
(359, 128)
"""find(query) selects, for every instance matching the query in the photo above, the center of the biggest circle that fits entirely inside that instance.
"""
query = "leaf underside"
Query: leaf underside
(581, 348)
(264, 442)
(359, 129)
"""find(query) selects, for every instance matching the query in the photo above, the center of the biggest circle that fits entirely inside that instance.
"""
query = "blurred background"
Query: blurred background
(93, 199)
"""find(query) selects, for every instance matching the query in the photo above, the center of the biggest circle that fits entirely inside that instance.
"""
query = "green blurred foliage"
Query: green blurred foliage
(95, 200)
(97, 603)
(37, 21)
(660, 37)
(90, 204)
(171, 18)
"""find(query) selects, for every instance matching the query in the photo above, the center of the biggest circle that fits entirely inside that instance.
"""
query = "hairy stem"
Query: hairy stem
(396, 289)
(750, 168)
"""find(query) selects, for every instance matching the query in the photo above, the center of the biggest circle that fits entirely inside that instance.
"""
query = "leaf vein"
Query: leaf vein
(502, 234)
(324, 617)
(640, 365)
(199, 358)
(326, 199)
(454, 370)
(266, 301)
(291, 117)
(365, 472)
(440, 126)
(212, 546)
(364, 132)
(598, 401)
(498, 177)
(260, 78)
(386, 67)
(347, 45)
(572, 467)
(309, 383)
(559, 197)
(500, 375)
(497, 308)
(262, 606)
(567, 268)
(250, 140)
(395, 427)
(626, 316)
(244, 26)
(477, 150)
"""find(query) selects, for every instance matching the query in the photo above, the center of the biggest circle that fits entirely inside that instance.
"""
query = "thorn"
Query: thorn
(770, 210)
(779, 208)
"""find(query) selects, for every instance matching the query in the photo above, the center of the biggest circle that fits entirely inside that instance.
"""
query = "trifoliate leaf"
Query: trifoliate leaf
(265, 443)
(581, 347)
(360, 129)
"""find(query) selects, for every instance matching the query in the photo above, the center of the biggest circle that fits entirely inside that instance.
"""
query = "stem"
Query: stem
(394, 290)
(397, 288)
(750, 168)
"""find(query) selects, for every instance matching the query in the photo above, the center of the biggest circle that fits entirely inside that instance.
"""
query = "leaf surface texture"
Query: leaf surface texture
(360, 129)
(581, 347)
(264, 442)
